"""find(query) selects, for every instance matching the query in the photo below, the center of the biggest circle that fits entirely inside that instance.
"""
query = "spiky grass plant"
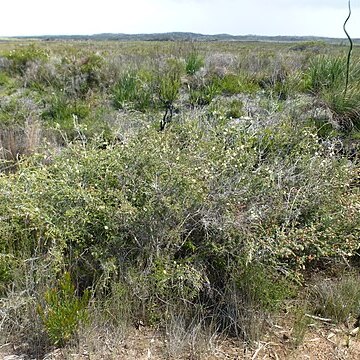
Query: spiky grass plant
(134, 90)
(337, 299)
(345, 107)
(324, 72)
(62, 311)
(194, 62)
(326, 79)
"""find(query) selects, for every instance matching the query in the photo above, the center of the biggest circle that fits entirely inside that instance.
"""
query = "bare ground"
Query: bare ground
(321, 342)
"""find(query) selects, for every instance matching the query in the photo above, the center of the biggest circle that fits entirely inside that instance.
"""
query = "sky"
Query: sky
(236, 17)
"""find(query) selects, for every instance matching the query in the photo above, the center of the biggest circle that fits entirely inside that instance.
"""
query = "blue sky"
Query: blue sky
(237, 17)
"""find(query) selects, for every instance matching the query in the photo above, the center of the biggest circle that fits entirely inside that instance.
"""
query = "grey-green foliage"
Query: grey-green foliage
(21, 57)
(171, 214)
(225, 172)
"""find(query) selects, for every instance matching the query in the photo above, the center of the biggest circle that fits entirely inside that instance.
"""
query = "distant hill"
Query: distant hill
(186, 36)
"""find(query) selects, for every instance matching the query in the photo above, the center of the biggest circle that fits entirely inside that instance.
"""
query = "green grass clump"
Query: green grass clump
(4, 78)
(62, 311)
(134, 89)
(337, 299)
(193, 63)
(252, 292)
(204, 92)
(232, 84)
(325, 78)
(345, 106)
(264, 287)
(65, 114)
(235, 109)
(325, 73)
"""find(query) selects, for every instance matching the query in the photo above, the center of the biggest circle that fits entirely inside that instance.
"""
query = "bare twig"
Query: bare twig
(264, 346)
(318, 318)
(350, 49)
(257, 351)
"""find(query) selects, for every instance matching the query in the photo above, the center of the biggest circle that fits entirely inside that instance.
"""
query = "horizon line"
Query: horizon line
(169, 33)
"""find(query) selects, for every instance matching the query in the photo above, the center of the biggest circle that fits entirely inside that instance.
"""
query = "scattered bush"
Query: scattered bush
(20, 58)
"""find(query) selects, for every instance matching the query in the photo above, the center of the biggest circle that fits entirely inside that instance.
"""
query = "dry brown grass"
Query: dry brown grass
(322, 342)
(17, 142)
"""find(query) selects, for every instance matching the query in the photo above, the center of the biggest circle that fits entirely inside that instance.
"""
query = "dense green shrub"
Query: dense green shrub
(21, 57)
(190, 199)
(202, 219)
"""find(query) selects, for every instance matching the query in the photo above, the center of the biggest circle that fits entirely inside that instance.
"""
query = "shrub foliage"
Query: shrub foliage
(212, 217)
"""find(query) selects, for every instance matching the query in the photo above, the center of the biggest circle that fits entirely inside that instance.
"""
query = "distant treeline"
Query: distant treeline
(187, 36)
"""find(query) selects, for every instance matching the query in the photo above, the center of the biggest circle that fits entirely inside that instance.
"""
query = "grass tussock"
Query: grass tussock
(337, 299)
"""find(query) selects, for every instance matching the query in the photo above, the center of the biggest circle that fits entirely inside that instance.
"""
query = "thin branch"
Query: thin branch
(350, 49)
(318, 318)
